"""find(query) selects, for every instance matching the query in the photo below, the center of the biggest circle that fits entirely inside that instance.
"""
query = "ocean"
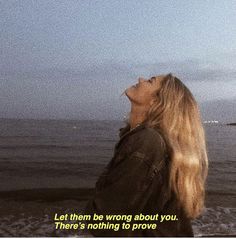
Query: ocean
(51, 166)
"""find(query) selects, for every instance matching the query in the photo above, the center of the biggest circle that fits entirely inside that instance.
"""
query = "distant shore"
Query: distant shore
(232, 124)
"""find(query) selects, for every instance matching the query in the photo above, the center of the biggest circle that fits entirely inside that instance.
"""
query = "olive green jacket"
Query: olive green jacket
(136, 181)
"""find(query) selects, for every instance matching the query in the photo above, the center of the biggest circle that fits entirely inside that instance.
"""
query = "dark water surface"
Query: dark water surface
(48, 166)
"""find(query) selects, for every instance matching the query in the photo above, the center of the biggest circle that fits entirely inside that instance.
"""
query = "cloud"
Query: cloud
(94, 91)
(190, 70)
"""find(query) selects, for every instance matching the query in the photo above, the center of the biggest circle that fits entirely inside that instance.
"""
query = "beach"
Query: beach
(51, 166)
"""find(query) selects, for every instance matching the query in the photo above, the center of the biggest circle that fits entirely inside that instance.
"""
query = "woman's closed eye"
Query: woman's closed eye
(151, 80)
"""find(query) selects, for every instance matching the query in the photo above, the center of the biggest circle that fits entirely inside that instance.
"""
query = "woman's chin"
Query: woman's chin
(130, 98)
(128, 91)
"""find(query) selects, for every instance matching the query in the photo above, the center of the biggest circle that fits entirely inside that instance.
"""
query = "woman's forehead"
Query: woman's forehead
(157, 78)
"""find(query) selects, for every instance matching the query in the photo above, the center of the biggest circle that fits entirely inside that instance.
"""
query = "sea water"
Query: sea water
(50, 166)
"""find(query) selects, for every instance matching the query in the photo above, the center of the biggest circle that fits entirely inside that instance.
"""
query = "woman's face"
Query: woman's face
(143, 92)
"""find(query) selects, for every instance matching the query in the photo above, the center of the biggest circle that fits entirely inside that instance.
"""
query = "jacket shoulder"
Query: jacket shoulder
(149, 143)
(149, 137)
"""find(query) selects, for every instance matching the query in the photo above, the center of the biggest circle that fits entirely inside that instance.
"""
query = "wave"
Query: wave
(48, 194)
(57, 194)
(35, 219)
(29, 212)
(216, 222)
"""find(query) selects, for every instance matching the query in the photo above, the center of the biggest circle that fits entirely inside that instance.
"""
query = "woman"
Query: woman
(159, 164)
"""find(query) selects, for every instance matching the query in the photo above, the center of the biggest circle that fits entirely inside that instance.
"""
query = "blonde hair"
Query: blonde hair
(176, 114)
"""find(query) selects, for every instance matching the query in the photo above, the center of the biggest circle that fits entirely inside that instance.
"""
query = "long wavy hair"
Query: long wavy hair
(176, 114)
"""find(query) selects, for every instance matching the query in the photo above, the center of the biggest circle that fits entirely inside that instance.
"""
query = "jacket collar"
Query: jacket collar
(125, 131)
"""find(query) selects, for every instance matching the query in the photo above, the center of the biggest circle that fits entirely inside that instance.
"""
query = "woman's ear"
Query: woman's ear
(152, 102)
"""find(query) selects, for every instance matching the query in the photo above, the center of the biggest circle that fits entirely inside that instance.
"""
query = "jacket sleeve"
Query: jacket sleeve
(124, 188)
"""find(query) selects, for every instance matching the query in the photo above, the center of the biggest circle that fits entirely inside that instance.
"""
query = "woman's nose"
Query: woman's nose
(141, 79)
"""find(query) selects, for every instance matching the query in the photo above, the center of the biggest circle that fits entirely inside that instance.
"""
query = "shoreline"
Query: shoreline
(37, 207)
(83, 194)
(48, 194)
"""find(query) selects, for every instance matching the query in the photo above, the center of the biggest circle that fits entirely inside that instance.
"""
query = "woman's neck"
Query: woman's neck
(137, 115)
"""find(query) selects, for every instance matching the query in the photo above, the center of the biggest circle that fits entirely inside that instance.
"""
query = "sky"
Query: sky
(74, 59)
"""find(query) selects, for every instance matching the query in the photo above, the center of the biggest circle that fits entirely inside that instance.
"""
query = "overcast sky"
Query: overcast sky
(73, 59)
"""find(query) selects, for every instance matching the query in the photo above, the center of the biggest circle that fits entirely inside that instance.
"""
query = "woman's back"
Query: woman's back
(136, 182)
